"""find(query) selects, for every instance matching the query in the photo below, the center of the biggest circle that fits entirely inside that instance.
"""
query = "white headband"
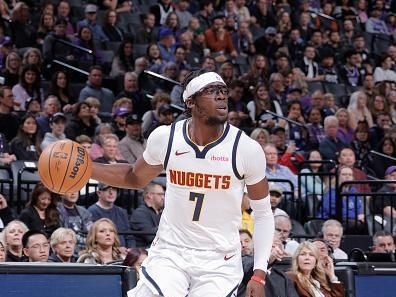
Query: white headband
(200, 82)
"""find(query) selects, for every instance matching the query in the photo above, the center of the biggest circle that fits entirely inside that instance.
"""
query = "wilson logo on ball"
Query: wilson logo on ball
(60, 155)
(79, 162)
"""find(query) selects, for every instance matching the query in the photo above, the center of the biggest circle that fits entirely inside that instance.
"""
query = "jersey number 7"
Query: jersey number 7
(198, 197)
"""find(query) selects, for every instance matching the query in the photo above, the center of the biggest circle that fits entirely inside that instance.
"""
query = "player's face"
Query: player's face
(211, 104)
(65, 247)
(105, 235)
(246, 244)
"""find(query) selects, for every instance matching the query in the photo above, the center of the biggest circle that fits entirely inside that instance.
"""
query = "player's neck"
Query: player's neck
(202, 134)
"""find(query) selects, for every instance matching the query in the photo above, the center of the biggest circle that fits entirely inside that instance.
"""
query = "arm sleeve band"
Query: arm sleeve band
(263, 231)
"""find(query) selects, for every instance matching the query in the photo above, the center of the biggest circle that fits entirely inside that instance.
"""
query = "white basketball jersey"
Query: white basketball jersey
(204, 185)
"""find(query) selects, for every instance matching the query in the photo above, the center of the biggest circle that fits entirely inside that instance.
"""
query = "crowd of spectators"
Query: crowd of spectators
(311, 81)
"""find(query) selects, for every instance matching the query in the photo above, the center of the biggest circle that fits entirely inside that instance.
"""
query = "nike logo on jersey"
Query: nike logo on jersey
(228, 258)
(177, 153)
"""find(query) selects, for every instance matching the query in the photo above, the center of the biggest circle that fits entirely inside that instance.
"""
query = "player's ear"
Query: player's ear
(189, 102)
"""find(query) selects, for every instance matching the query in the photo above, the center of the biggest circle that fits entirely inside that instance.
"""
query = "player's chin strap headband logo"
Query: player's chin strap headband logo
(200, 82)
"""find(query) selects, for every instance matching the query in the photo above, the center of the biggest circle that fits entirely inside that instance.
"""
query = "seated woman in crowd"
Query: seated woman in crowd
(378, 164)
(378, 104)
(345, 131)
(81, 122)
(151, 117)
(110, 26)
(60, 87)
(311, 277)
(102, 245)
(13, 233)
(33, 57)
(135, 258)
(63, 241)
(260, 135)
(12, 69)
(41, 212)
(123, 61)
(101, 131)
(153, 56)
(315, 128)
(26, 145)
(85, 39)
(29, 86)
(312, 184)
(358, 110)
(361, 146)
(258, 72)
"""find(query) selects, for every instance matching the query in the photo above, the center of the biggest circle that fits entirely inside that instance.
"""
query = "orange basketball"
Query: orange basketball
(65, 167)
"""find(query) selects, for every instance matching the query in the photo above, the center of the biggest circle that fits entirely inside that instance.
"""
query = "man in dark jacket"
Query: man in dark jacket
(147, 216)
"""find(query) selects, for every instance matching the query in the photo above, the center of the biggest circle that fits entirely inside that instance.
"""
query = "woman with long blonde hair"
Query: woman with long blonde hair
(358, 109)
(312, 277)
(102, 244)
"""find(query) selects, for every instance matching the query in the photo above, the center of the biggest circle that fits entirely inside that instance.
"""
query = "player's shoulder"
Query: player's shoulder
(245, 141)
(165, 130)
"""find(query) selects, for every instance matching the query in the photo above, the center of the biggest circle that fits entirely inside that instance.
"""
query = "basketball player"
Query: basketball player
(208, 162)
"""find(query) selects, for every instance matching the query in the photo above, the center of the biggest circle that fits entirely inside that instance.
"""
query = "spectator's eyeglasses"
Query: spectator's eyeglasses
(214, 90)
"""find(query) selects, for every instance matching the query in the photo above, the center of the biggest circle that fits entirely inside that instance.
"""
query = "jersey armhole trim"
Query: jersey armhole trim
(234, 153)
(168, 150)
(150, 279)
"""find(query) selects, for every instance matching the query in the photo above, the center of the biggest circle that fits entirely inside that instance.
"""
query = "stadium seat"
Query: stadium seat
(314, 86)
(381, 43)
(113, 46)
(314, 226)
(339, 91)
(139, 50)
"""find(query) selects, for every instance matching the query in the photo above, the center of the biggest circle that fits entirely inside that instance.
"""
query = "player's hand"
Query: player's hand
(254, 289)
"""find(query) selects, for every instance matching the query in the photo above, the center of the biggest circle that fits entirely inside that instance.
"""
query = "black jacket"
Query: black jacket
(145, 218)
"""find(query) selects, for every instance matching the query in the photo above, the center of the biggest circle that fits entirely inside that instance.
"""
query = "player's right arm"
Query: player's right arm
(145, 169)
(125, 175)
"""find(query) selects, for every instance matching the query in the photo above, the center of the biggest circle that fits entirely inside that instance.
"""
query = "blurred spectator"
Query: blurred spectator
(132, 91)
(277, 92)
(90, 20)
(2, 251)
(378, 131)
(295, 45)
(6, 47)
(227, 73)
(182, 13)
(118, 123)
(260, 135)
(147, 216)
(383, 242)
(205, 13)
(111, 28)
(315, 129)
(172, 23)
(63, 242)
(151, 117)
(350, 73)
(153, 56)
(9, 122)
(278, 138)
(331, 144)
(276, 171)
(85, 141)
(74, 217)
(384, 72)
(51, 106)
(85, 39)
(359, 45)
(63, 12)
(165, 117)
(105, 208)
(26, 145)
(81, 122)
(6, 214)
(374, 23)
(95, 89)
(377, 105)
(36, 246)
(219, 40)
(345, 132)
(57, 125)
(60, 88)
(387, 147)
(266, 44)
(123, 61)
(29, 86)
(33, 56)
(283, 229)
(246, 240)
(166, 44)
(384, 205)
(243, 40)
(148, 33)
(103, 244)
(109, 143)
(361, 145)
(94, 107)
(308, 66)
(13, 233)
(22, 30)
(52, 48)
(40, 212)
(46, 25)
(133, 144)
(258, 72)
(332, 233)
(12, 69)
(276, 194)
(135, 258)
(309, 275)
(161, 11)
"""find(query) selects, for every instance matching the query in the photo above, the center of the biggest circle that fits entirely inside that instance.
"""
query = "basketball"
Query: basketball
(64, 167)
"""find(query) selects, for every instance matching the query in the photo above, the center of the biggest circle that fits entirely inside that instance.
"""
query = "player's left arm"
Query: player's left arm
(257, 186)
